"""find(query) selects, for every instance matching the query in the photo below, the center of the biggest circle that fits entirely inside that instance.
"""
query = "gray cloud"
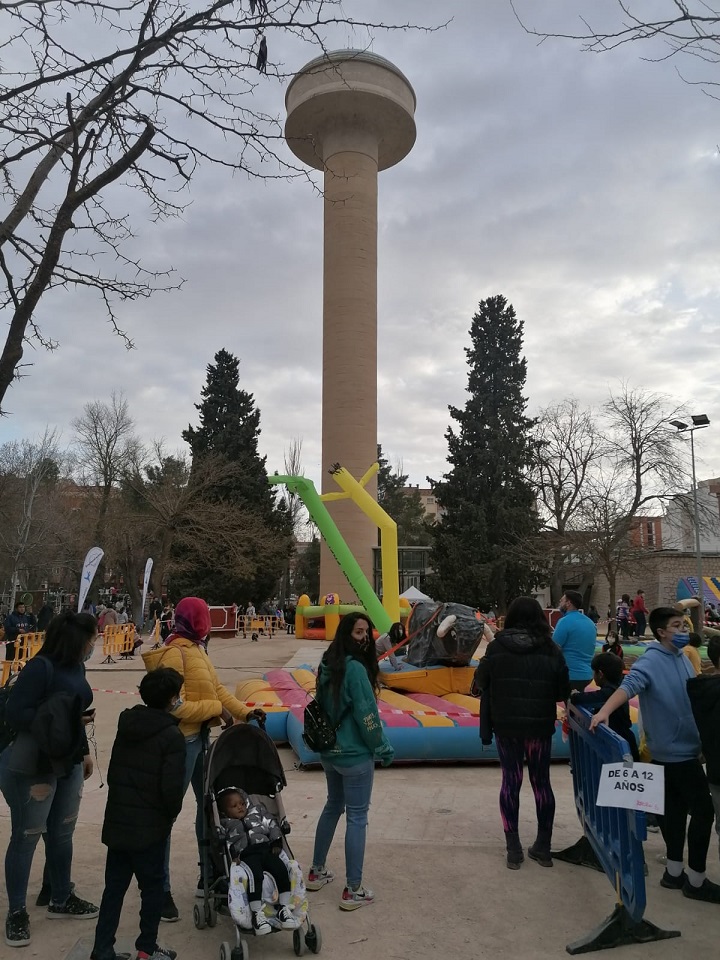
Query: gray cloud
(581, 187)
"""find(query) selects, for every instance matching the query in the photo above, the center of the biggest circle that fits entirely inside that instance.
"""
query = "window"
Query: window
(650, 534)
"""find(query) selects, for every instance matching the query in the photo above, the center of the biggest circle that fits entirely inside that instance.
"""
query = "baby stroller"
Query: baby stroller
(245, 757)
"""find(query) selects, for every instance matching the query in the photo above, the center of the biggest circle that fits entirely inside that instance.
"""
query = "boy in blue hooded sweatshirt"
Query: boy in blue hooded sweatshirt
(659, 678)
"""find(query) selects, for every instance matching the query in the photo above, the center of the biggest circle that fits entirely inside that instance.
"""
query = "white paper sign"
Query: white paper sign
(637, 787)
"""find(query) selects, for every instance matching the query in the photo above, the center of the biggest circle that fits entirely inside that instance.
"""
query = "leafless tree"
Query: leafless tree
(568, 447)
(169, 510)
(26, 467)
(100, 98)
(595, 478)
(107, 448)
(689, 27)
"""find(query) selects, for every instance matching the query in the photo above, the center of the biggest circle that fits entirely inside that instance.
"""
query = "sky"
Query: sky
(582, 187)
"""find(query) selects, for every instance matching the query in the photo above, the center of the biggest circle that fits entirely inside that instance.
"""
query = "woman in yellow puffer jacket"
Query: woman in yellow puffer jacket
(204, 703)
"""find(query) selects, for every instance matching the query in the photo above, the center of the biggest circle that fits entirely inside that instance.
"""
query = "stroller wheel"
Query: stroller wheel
(298, 943)
(199, 917)
(225, 952)
(239, 953)
(313, 939)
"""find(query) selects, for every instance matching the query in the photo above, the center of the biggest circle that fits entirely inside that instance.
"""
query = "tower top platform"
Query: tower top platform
(350, 90)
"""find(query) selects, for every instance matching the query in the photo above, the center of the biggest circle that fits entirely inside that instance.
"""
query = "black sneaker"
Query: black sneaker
(673, 883)
(708, 891)
(74, 908)
(169, 910)
(260, 924)
(43, 898)
(17, 929)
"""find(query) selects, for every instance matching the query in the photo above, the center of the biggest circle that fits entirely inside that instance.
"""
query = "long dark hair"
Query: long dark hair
(344, 646)
(67, 637)
(525, 613)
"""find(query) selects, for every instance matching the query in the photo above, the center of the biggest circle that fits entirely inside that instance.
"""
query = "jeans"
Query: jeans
(40, 803)
(640, 624)
(120, 867)
(349, 791)
(687, 792)
(194, 752)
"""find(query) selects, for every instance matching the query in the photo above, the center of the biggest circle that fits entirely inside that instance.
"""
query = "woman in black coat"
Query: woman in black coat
(521, 678)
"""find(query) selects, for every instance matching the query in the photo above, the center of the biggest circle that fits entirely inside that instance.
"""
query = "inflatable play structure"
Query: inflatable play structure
(687, 588)
(425, 705)
(420, 726)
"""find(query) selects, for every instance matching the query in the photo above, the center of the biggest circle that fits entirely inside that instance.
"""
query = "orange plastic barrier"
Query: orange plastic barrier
(118, 638)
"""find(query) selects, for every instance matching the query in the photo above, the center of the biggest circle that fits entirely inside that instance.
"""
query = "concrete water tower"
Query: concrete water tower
(350, 114)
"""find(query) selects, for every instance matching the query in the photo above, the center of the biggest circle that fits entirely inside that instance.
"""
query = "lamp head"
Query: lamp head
(678, 424)
(700, 420)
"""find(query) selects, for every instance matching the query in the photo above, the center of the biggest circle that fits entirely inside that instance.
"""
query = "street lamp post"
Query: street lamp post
(699, 423)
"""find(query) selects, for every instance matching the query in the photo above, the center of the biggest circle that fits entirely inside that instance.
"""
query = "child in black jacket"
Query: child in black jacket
(607, 674)
(145, 781)
(704, 693)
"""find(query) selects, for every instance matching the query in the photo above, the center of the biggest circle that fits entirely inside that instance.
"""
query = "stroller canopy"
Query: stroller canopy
(244, 756)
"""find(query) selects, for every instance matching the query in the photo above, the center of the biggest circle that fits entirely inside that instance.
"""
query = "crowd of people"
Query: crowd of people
(527, 669)
(524, 673)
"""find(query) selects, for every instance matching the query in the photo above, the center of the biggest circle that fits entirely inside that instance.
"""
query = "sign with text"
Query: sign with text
(638, 787)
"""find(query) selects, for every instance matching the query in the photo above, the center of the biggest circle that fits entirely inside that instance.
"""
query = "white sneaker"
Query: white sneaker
(446, 625)
(260, 924)
(353, 899)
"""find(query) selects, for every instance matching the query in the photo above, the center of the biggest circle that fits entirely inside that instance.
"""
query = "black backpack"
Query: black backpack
(319, 734)
(7, 735)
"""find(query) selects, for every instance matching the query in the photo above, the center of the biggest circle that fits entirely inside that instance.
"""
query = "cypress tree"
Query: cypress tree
(489, 507)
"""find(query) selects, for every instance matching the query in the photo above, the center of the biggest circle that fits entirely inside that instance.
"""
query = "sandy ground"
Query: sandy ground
(434, 859)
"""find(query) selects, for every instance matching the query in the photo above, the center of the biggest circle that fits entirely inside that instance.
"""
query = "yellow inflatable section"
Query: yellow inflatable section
(396, 701)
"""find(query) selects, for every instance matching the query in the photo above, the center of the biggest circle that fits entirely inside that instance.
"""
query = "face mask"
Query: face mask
(680, 640)
(178, 703)
(88, 655)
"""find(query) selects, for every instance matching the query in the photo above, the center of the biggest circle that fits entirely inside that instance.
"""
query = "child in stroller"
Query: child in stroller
(244, 760)
(255, 839)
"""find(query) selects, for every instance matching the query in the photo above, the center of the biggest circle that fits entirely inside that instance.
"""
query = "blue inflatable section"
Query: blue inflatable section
(425, 744)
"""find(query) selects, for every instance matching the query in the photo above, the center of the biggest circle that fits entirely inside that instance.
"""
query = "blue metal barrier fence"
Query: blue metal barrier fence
(615, 835)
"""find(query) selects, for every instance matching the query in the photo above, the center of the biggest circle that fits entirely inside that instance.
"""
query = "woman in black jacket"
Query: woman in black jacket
(522, 677)
(42, 771)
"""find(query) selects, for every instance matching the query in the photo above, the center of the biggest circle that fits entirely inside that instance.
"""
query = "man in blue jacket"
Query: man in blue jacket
(659, 678)
(576, 634)
(16, 623)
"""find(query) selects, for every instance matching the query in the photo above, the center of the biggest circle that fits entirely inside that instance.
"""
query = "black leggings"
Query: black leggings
(687, 792)
(259, 860)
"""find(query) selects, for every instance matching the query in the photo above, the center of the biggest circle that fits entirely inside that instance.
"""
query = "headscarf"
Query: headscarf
(192, 620)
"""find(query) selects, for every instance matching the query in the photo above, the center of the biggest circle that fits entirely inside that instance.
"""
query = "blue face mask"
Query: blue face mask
(88, 654)
(680, 640)
(178, 703)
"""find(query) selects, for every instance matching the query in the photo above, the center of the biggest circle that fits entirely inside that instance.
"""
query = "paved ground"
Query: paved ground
(434, 859)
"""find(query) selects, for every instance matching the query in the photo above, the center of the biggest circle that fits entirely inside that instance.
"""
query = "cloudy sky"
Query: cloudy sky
(584, 188)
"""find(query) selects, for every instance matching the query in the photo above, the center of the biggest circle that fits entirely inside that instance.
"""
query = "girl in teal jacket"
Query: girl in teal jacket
(347, 689)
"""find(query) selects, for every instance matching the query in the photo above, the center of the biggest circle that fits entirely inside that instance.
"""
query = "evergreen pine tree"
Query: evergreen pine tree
(487, 499)
(229, 428)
